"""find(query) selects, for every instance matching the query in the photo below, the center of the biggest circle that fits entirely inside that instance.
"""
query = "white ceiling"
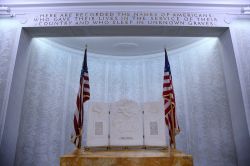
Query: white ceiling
(125, 46)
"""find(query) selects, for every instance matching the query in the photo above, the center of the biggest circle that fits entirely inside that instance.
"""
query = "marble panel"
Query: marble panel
(154, 124)
(98, 124)
(126, 124)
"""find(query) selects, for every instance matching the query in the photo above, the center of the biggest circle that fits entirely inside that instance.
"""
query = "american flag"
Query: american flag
(82, 96)
(169, 103)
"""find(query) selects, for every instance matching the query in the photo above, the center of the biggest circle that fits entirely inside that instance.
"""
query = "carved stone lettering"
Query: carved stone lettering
(98, 128)
(153, 128)
(97, 18)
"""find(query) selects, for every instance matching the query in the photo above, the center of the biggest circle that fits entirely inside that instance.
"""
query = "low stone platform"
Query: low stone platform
(142, 157)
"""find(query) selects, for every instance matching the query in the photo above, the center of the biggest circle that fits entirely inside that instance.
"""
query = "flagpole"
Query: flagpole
(172, 130)
(80, 129)
(80, 140)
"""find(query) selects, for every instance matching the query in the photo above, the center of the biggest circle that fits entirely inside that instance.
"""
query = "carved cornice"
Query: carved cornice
(225, 7)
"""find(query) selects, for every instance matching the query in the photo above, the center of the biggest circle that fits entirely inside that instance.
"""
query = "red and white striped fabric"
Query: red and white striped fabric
(169, 103)
(82, 96)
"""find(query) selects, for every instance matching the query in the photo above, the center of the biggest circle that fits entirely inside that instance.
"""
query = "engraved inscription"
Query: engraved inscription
(153, 128)
(89, 17)
(98, 128)
(126, 138)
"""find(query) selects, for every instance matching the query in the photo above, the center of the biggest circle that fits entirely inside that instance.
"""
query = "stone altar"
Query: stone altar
(117, 132)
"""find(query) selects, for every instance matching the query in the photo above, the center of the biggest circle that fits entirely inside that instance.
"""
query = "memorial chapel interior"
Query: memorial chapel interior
(127, 45)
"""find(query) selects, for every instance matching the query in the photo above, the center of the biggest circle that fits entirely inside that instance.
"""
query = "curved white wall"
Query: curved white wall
(52, 83)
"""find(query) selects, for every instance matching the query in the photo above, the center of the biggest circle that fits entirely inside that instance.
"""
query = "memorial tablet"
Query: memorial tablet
(154, 124)
(126, 124)
(98, 124)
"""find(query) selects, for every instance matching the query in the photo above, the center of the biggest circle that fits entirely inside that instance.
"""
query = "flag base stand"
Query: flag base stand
(141, 157)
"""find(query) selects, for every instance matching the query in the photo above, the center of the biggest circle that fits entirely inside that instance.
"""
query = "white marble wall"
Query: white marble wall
(41, 130)
(9, 36)
(52, 83)
(236, 104)
(202, 104)
(240, 34)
